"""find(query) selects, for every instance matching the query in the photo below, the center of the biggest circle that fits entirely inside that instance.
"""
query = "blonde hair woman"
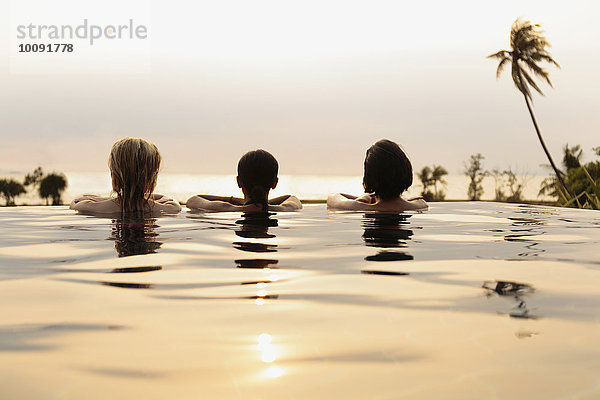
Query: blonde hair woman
(134, 165)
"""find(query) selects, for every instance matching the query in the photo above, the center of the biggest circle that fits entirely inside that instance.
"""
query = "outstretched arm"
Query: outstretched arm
(285, 203)
(370, 203)
(220, 204)
(417, 203)
(95, 204)
(238, 201)
(341, 201)
(217, 203)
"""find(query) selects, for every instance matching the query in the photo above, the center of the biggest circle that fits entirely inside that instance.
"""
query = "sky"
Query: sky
(313, 82)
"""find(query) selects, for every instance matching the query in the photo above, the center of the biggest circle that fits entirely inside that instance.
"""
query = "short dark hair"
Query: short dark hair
(388, 171)
(257, 170)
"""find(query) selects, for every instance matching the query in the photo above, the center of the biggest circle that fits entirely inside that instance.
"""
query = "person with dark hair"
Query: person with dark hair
(388, 173)
(256, 176)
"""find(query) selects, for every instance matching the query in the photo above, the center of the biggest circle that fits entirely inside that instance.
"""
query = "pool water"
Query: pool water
(465, 301)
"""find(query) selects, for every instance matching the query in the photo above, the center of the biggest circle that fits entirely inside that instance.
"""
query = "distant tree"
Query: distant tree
(515, 187)
(475, 172)
(582, 181)
(34, 177)
(550, 185)
(528, 48)
(437, 176)
(432, 176)
(52, 186)
(425, 177)
(499, 179)
(572, 157)
(9, 189)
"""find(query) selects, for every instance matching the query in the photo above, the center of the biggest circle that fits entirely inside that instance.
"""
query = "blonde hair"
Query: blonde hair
(134, 165)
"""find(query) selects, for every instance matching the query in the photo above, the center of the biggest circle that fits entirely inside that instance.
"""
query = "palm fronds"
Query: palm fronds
(529, 47)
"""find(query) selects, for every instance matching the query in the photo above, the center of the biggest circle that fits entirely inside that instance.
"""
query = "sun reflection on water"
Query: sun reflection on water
(274, 372)
(268, 354)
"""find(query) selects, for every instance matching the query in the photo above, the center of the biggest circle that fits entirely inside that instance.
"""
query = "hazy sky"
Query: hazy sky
(314, 82)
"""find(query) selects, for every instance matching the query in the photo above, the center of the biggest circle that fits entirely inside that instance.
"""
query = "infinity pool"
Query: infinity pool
(464, 301)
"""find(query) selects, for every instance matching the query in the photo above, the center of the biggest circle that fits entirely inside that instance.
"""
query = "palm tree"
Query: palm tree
(426, 180)
(528, 46)
(437, 176)
(572, 156)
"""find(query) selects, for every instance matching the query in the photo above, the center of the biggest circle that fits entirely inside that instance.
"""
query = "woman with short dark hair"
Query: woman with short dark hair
(387, 174)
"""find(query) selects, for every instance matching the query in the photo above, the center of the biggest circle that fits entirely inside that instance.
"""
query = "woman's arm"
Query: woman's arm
(279, 200)
(165, 204)
(369, 203)
(291, 203)
(200, 202)
(340, 201)
(227, 199)
(417, 203)
(95, 204)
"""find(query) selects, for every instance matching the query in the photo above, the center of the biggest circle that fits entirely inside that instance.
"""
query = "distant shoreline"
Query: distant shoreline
(323, 201)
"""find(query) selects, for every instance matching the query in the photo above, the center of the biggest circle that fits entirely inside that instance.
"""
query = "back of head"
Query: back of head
(257, 171)
(134, 165)
(388, 171)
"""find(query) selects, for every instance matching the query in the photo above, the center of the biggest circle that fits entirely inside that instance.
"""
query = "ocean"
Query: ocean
(305, 187)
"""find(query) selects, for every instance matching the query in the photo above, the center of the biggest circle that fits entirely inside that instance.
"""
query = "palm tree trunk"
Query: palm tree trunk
(539, 135)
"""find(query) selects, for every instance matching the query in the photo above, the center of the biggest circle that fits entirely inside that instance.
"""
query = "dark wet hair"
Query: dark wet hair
(388, 171)
(257, 170)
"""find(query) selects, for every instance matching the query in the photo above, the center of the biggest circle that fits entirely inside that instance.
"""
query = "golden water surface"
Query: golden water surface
(465, 301)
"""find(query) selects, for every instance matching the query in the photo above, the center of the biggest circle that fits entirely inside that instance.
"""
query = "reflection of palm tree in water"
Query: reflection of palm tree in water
(387, 231)
(135, 236)
(515, 290)
(256, 226)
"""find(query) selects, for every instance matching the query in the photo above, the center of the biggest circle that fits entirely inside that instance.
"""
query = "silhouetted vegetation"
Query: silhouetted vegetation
(52, 186)
(9, 189)
(517, 290)
(583, 181)
(49, 187)
(475, 172)
(433, 176)
(34, 177)
(508, 186)
(528, 48)
(572, 156)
